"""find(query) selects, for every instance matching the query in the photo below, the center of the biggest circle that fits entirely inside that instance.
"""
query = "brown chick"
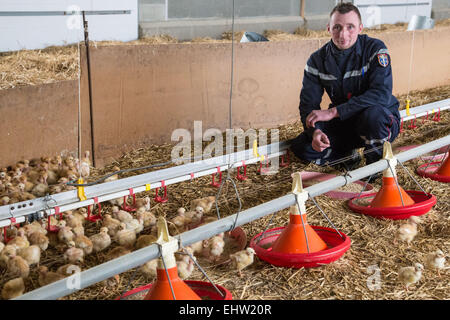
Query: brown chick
(149, 268)
(6, 254)
(242, 259)
(101, 240)
(213, 248)
(112, 224)
(35, 226)
(13, 289)
(73, 221)
(117, 252)
(20, 241)
(206, 203)
(121, 215)
(39, 239)
(31, 254)
(185, 268)
(148, 217)
(115, 176)
(126, 237)
(18, 267)
(65, 234)
(84, 243)
(46, 277)
(145, 240)
(68, 269)
(73, 255)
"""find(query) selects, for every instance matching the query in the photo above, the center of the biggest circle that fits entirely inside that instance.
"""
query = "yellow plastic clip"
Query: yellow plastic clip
(407, 107)
(80, 190)
(255, 151)
(147, 187)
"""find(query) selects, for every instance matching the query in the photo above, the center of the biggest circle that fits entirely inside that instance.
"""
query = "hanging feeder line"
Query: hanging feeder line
(139, 257)
(109, 191)
(70, 200)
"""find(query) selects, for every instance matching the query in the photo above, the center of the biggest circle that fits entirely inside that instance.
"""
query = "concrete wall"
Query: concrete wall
(142, 93)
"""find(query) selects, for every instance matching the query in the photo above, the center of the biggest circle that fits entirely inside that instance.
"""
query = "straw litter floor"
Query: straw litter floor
(348, 278)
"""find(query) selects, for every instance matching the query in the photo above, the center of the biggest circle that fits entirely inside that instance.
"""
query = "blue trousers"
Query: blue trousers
(369, 129)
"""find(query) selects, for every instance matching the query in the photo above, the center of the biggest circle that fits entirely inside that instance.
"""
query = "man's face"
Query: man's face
(344, 29)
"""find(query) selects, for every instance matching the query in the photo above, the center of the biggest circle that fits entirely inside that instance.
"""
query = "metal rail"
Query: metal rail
(136, 258)
(115, 189)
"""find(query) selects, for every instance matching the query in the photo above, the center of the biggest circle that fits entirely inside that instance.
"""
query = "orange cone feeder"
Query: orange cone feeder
(293, 239)
(436, 170)
(298, 236)
(161, 290)
(172, 287)
(444, 169)
(392, 202)
(391, 193)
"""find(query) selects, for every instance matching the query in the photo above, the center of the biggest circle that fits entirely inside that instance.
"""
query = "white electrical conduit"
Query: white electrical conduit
(137, 258)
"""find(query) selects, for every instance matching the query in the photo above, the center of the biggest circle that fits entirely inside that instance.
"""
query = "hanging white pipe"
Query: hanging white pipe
(136, 258)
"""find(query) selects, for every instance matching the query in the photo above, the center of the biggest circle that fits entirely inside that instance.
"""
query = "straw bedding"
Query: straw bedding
(348, 278)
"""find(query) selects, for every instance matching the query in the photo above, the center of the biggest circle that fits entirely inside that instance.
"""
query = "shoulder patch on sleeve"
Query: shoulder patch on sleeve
(383, 59)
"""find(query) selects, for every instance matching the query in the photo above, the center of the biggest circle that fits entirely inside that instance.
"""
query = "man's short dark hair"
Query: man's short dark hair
(346, 7)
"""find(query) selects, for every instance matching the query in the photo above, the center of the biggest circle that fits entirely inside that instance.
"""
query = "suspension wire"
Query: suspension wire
(186, 252)
(167, 272)
(303, 223)
(326, 217)
(407, 171)
(129, 283)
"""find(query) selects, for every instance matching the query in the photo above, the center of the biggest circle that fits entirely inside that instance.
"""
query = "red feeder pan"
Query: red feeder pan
(337, 246)
(435, 171)
(205, 290)
(422, 204)
(309, 178)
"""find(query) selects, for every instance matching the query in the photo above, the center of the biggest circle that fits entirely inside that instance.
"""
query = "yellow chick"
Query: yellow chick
(32, 228)
(242, 259)
(31, 254)
(126, 237)
(101, 240)
(46, 277)
(84, 243)
(13, 289)
(73, 255)
(18, 267)
(195, 216)
(196, 247)
(410, 275)
(137, 225)
(149, 268)
(408, 231)
(435, 260)
(145, 240)
(206, 203)
(73, 221)
(39, 239)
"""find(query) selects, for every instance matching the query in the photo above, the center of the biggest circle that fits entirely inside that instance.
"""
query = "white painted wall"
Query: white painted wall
(37, 32)
(374, 12)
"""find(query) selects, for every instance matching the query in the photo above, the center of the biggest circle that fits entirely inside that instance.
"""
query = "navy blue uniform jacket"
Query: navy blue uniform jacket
(364, 83)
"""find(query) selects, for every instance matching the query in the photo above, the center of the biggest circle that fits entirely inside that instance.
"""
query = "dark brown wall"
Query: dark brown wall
(142, 93)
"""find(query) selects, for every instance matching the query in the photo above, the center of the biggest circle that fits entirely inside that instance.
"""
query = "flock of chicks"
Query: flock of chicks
(22, 247)
(39, 177)
(434, 260)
